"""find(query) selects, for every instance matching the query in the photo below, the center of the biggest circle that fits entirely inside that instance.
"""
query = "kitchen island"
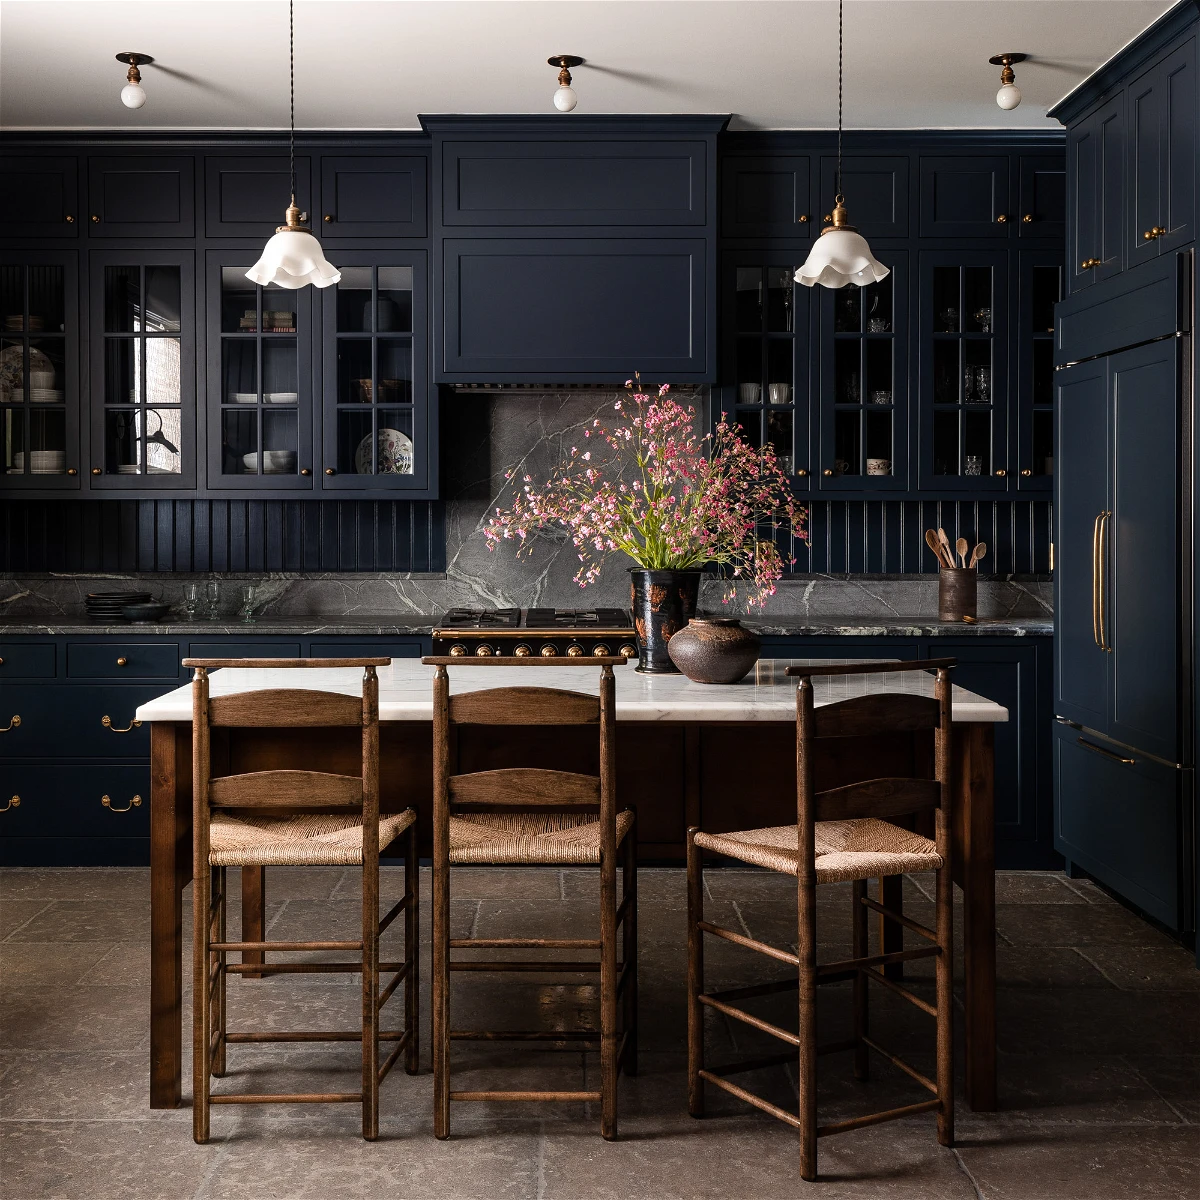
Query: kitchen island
(722, 757)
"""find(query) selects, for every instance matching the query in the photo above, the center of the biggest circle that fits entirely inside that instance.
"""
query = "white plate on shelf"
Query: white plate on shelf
(395, 453)
(243, 397)
(45, 396)
(281, 397)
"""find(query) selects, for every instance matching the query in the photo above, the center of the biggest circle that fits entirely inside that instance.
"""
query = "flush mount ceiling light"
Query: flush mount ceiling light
(1009, 95)
(293, 258)
(841, 254)
(565, 98)
(132, 94)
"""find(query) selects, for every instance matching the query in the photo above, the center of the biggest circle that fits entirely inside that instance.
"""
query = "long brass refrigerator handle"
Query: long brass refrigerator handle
(1096, 579)
(1100, 569)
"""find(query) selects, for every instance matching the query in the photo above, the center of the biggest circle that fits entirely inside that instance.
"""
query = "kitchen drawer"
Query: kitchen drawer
(68, 801)
(365, 650)
(68, 722)
(271, 649)
(122, 660)
(26, 660)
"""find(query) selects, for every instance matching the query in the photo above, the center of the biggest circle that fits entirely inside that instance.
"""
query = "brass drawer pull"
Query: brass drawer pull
(14, 723)
(136, 802)
(1107, 753)
(15, 802)
(106, 721)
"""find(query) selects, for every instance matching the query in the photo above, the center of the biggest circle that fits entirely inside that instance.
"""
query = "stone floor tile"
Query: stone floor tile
(505, 883)
(36, 964)
(87, 921)
(653, 883)
(298, 883)
(75, 883)
(1146, 968)
(1174, 1077)
(1035, 887)
(80, 1084)
(115, 1019)
(1067, 925)
(15, 913)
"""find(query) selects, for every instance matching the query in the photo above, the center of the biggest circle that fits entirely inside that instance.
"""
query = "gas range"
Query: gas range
(549, 632)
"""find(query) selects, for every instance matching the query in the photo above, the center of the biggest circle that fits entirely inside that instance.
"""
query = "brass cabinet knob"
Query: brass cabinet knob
(1, 662)
(1025, 474)
(803, 218)
(523, 651)
(70, 219)
(15, 802)
(13, 723)
(305, 471)
(1089, 263)
(1001, 219)
(135, 802)
(328, 218)
(802, 472)
(1001, 472)
(97, 470)
(1027, 219)
(549, 650)
(95, 219)
(106, 721)
(122, 662)
(827, 472)
(330, 471)
(458, 650)
(483, 650)
(72, 471)
(600, 650)
(628, 650)
(827, 218)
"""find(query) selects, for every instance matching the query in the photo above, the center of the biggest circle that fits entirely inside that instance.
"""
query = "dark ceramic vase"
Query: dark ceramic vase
(714, 650)
(663, 603)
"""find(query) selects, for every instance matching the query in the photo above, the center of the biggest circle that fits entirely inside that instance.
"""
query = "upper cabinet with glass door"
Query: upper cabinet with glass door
(143, 370)
(375, 420)
(39, 376)
(1041, 288)
(259, 372)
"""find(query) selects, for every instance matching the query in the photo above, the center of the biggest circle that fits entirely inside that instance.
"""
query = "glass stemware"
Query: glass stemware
(249, 595)
(212, 591)
(191, 599)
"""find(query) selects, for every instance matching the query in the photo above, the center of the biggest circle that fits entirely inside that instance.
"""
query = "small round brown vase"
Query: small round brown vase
(714, 650)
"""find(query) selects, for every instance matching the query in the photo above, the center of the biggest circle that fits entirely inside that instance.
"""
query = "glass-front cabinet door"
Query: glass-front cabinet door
(39, 371)
(143, 370)
(767, 316)
(963, 350)
(259, 381)
(864, 383)
(374, 377)
(1042, 284)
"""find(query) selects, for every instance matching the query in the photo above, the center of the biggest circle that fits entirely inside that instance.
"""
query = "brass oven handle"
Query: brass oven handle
(106, 721)
(1100, 571)
(15, 802)
(1107, 753)
(14, 723)
(1096, 579)
(134, 803)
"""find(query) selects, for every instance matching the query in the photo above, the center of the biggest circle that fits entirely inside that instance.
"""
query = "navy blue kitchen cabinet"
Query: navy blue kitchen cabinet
(1043, 197)
(141, 195)
(1095, 192)
(767, 196)
(246, 195)
(1040, 286)
(965, 196)
(376, 196)
(39, 196)
(876, 188)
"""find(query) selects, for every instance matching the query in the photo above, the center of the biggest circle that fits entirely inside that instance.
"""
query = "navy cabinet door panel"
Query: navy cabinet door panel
(122, 660)
(573, 183)
(1141, 557)
(1043, 197)
(876, 191)
(1118, 817)
(1146, 112)
(373, 196)
(26, 660)
(767, 197)
(39, 196)
(1178, 203)
(272, 649)
(1081, 497)
(372, 649)
(68, 801)
(965, 197)
(1096, 192)
(141, 196)
(551, 309)
(246, 196)
(70, 720)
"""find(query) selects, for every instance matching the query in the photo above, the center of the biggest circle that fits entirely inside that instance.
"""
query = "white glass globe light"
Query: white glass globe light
(840, 257)
(133, 95)
(565, 99)
(1009, 96)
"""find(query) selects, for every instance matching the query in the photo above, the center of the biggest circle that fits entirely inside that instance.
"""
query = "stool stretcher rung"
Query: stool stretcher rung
(285, 946)
(907, 1068)
(733, 1089)
(390, 1061)
(923, 931)
(524, 943)
(877, 960)
(900, 990)
(624, 974)
(386, 994)
(287, 1098)
(306, 1035)
(524, 1035)
(395, 911)
(523, 1096)
(891, 1114)
(313, 968)
(548, 966)
(750, 944)
(749, 1019)
(622, 909)
(758, 1064)
(757, 989)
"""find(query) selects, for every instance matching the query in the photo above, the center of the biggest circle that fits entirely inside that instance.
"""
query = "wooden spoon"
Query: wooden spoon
(978, 553)
(962, 548)
(931, 540)
(948, 557)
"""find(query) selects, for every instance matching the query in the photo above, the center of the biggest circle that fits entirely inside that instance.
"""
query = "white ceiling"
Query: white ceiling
(376, 64)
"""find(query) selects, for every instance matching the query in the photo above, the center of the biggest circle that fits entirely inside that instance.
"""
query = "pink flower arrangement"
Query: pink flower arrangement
(654, 489)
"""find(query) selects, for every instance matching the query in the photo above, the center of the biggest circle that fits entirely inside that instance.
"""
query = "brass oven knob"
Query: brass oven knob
(549, 650)
(574, 650)
(522, 651)
(483, 650)
(628, 650)
(458, 650)
(600, 650)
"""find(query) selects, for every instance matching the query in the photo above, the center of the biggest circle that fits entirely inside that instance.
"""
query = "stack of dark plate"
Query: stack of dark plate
(106, 606)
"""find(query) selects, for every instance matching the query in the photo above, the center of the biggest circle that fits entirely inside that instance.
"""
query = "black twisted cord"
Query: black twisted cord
(292, 95)
(838, 189)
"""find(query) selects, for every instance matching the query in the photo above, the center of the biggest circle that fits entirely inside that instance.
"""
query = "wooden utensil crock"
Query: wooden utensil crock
(957, 592)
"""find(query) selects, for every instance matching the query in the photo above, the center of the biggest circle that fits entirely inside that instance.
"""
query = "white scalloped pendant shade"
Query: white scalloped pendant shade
(293, 259)
(841, 257)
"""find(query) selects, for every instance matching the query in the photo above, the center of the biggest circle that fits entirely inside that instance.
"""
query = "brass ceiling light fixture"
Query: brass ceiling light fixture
(132, 94)
(841, 254)
(565, 98)
(293, 258)
(1009, 95)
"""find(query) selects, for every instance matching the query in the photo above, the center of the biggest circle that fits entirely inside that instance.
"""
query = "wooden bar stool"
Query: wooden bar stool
(533, 815)
(844, 833)
(294, 818)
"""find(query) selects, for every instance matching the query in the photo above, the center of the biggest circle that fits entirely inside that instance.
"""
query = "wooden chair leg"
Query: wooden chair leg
(807, 923)
(629, 949)
(944, 979)
(254, 902)
(695, 977)
(441, 995)
(370, 997)
(608, 998)
(201, 1016)
(861, 995)
(412, 951)
(220, 1009)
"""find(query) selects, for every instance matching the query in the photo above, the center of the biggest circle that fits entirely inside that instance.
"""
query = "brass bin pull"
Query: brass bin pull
(14, 723)
(106, 721)
(1100, 572)
(1096, 579)
(15, 802)
(1107, 753)
(107, 802)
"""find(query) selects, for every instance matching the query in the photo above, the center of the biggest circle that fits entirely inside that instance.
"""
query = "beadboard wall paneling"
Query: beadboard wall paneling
(222, 535)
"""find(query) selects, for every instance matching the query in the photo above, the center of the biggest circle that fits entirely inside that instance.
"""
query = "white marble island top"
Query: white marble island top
(406, 690)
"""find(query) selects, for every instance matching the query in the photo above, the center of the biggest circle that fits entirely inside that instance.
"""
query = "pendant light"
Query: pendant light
(293, 258)
(841, 254)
